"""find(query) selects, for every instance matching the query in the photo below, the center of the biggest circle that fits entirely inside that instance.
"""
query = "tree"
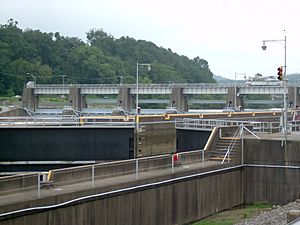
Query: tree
(101, 60)
(10, 92)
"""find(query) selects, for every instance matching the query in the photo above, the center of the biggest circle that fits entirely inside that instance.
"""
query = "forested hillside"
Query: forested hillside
(25, 54)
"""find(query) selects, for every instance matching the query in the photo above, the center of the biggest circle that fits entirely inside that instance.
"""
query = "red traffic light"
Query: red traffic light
(280, 73)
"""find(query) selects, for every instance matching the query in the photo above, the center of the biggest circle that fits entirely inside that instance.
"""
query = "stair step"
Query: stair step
(215, 158)
(221, 155)
(219, 151)
(230, 138)
(222, 145)
(226, 147)
(219, 159)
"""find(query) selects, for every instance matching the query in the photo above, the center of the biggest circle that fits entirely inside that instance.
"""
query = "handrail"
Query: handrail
(237, 135)
(258, 127)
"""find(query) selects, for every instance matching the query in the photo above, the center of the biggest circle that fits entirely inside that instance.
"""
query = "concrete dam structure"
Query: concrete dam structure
(178, 93)
(261, 166)
(31, 144)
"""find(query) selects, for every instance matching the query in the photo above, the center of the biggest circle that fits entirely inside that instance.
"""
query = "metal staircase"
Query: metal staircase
(222, 147)
(228, 147)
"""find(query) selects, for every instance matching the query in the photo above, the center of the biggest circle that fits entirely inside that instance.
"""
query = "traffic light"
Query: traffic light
(280, 73)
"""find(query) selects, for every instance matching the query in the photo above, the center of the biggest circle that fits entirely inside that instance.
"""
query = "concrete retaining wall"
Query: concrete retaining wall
(175, 203)
(270, 176)
(271, 185)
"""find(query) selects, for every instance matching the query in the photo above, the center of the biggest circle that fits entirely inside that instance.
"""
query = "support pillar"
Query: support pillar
(29, 99)
(179, 100)
(293, 97)
(124, 98)
(76, 100)
(234, 99)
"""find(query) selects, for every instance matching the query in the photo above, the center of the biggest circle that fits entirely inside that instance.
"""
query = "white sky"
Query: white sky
(226, 33)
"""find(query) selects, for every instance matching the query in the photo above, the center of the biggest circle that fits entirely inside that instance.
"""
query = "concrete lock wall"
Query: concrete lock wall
(175, 203)
(188, 140)
(270, 176)
(65, 144)
(155, 139)
(163, 138)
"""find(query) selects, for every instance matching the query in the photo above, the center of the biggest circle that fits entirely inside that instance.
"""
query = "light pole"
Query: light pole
(63, 79)
(137, 82)
(235, 94)
(284, 115)
(137, 106)
(34, 77)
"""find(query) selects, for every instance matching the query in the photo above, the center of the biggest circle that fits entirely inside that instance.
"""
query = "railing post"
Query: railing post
(172, 163)
(242, 135)
(39, 186)
(228, 155)
(93, 176)
(136, 169)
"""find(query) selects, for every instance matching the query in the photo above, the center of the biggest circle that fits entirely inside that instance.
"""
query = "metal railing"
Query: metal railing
(237, 136)
(19, 183)
(62, 121)
(209, 124)
(87, 176)
(196, 85)
(167, 85)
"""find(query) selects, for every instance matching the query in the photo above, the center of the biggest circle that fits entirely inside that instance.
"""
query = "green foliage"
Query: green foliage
(25, 54)
(10, 92)
(231, 217)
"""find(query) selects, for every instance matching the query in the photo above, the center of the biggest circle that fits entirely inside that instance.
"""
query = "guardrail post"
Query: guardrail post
(39, 186)
(136, 169)
(93, 176)
(202, 158)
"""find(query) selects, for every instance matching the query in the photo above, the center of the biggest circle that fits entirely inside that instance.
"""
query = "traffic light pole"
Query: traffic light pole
(285, 95)
(284, 114)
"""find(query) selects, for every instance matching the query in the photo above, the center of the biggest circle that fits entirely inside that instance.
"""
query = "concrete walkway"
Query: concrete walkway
(67, 192)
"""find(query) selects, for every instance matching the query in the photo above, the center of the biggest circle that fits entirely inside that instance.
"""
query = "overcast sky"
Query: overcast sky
(226, 33)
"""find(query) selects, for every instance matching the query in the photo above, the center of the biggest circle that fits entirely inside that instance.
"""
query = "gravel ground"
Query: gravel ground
(276, 216)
